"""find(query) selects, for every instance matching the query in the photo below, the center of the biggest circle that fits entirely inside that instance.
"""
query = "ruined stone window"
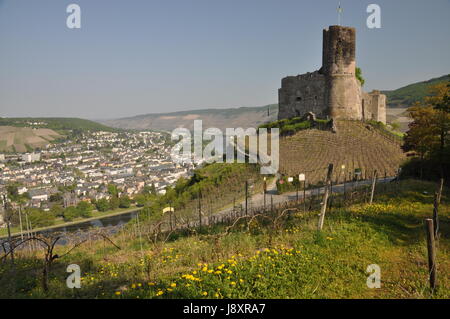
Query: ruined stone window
(298, 99)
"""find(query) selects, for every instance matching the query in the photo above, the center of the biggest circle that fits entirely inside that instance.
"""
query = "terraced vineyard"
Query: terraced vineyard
(25, 139)
(355, 145)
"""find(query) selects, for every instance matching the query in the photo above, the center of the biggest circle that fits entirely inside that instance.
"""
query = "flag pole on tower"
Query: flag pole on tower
(339, 10)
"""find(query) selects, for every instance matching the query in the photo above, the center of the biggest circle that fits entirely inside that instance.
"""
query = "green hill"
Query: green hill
(55, 123)
(220, 118)
(408, 95)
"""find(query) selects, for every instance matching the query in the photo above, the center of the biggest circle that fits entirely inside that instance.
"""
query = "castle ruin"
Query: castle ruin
(333, 91)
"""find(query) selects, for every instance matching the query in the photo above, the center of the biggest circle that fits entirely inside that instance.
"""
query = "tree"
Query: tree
(39, 218)
(70, 213)
(56, 197)
(422, 134)
(124, 202)
(141, 200)
(114, 202)
(112, 189)
(57, 210)
(84, 209)
(428, 134)
(12, 190)
(102, 205)
(358, 74)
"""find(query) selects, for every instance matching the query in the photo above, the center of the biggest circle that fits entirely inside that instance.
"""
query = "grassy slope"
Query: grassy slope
(354, 145)
(407, 95)
(221, 184)
(296, 262)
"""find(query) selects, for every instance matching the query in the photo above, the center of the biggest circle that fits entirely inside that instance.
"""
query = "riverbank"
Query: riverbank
(61, 223)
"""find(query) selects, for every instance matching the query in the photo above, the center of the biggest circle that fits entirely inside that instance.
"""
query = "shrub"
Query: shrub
(102, 205)
(124, 202)
(84, 209)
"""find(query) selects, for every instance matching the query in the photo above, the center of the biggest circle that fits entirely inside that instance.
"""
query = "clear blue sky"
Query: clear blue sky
(147, 56)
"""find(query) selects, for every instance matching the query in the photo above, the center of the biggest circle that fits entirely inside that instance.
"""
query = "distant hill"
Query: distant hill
(221, 118)
(408, 95)
(55, 123)
(25, 139)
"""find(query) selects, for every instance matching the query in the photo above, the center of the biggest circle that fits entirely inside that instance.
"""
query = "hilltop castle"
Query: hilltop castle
(333, 90)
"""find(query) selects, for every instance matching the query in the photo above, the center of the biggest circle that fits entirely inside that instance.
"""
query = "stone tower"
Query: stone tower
(334, 90)
(343, 91)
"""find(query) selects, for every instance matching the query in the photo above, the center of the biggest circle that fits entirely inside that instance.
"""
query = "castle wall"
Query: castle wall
(334, 90)
(374, 106)
(301, 94)
(339, 50)
(343, 97)
(343, 92)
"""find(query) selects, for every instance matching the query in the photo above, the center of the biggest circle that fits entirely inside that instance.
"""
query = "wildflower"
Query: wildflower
(204, 293)
(173, 285)
(233, 283)
(118, 293)
(159, 293)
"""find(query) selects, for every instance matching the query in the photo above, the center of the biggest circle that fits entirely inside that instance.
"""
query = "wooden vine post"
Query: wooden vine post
(325, 197)
(431, 252)
(374, 182)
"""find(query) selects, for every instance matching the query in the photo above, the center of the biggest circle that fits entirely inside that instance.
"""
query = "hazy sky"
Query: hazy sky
(148, 56)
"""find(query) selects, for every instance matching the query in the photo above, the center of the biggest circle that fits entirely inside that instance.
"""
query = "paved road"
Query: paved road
(257, 200)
